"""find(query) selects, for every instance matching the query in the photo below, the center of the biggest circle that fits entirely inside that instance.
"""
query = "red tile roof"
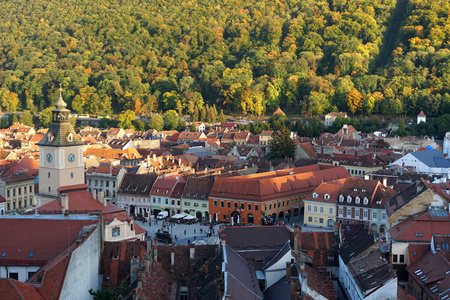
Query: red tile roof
(265, 186)
(420, 227)
(279, 111)
(330, 188)
(13, 289)
(321, 246)
(45, 238)
(416, 251)
(421, 114)
(116, 258)
(26, 164)
(80, 202)
(428, 271)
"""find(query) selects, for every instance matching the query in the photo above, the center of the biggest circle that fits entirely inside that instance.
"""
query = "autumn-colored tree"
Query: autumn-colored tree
(137, 106)
(354, 100)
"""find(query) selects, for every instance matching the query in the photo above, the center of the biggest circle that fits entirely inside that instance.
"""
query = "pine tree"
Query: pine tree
(281, 144)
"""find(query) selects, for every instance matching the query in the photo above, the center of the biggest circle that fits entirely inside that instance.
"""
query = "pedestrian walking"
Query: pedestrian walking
(185, 232)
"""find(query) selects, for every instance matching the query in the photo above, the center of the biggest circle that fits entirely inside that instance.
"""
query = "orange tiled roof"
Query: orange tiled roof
(129, 153)
(264, 187)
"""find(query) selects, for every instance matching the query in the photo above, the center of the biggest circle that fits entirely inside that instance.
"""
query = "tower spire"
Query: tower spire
(60, 104)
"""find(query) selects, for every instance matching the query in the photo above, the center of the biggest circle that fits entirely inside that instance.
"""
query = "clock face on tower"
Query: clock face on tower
(49, 157)
(71, 157)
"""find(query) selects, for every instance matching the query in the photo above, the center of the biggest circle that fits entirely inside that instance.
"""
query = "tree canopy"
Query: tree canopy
(373, 57)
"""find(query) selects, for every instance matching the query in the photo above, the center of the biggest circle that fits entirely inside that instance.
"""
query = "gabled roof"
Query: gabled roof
(327, 192)
(376, 193)
(428, 271)
(198, 188)
(279, 111)
(136, 184)
(274, 185)
(80, 202)
(14, 289)
(309, 149)
(320, 282)
(432, 158)
(256, 237)
(321, 246)
(358, 242)
(45, 238)
(371, 270)
(240, 277)
(421, 114)
(405, 196)
(420, 227)
(116, 258)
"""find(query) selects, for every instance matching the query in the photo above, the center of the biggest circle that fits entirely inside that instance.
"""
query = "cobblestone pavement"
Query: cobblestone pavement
(184, 233)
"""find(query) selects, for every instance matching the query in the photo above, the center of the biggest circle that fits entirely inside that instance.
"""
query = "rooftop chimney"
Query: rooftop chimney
(288, 270)
(192, 252)
(101, 197)
(155, 250)
(172, 257)
(94, 194)
(385, 181)
(223, 238)
(366, 177)
(64, 202)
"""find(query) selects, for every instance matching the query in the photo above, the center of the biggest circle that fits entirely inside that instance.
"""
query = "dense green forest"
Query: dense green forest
(361, 56)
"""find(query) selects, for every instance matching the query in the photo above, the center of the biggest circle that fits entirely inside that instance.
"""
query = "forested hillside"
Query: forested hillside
(364, 57)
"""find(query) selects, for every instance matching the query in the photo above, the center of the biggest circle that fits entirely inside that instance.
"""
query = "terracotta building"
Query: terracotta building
(267, 197)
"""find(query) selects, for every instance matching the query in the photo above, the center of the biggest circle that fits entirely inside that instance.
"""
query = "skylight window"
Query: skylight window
(418, 234)
(4, 254)
(31, 255)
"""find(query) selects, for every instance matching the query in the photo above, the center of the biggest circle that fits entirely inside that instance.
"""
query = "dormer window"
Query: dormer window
(363, 190)
(355, 189)
(341, 198)
(366, 201)
(70, 137)
(50, 136)
(156, 191)
(327, 196)
(165, 192)
(357, 200)
(315, 195)
(349, 199)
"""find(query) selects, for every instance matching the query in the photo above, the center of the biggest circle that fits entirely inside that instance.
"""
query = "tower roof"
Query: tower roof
(60, 104)
(421, 114)
(60, 132)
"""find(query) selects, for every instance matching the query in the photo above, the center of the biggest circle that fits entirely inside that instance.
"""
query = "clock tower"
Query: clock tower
(61, 154)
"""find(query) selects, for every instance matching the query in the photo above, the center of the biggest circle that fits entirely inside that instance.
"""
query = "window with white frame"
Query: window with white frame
(330, 210)
(365, 214)
(340, 211)
(366, 200)
(309, 208)
(321, 209)
(383, 216)
(374, 215)
(357, 213)
(341, 198)
(349, 212)
(327, 196)
(357, 200)
(315, 195)
(315, 208)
